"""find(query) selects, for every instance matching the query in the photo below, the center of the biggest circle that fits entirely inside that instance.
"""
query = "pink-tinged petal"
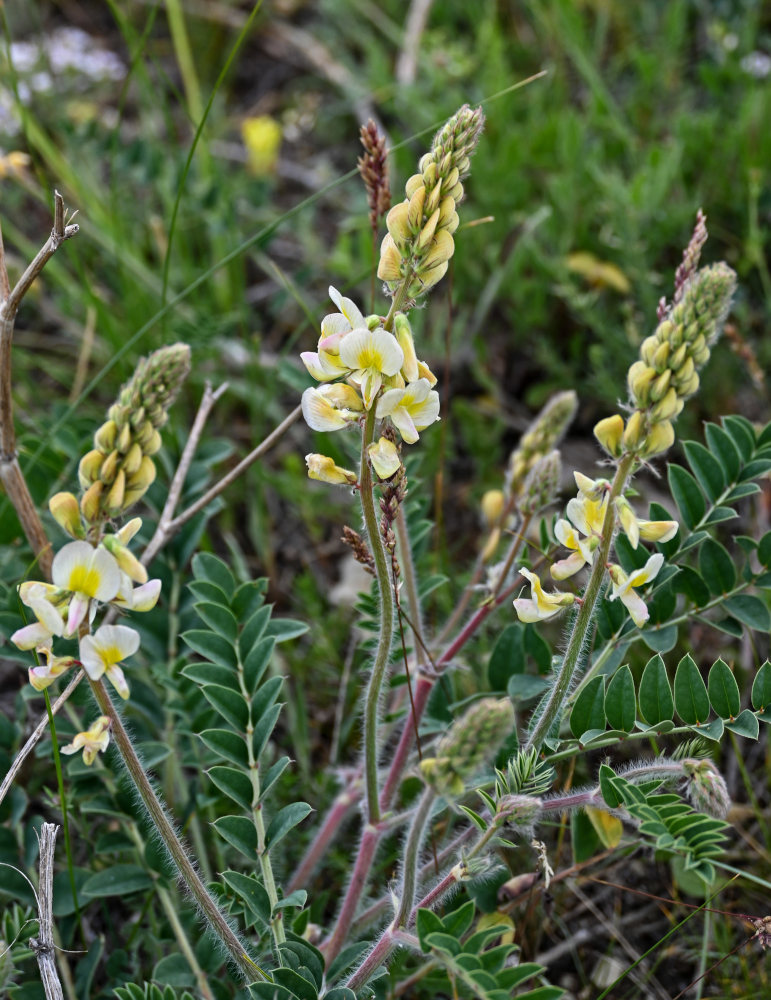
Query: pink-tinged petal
(348, 308)
(145, 598)
(334, 325)
(30, 636)
(41, 677)
(318, 368)
(77, 612)
(568, 567)
(118, 680)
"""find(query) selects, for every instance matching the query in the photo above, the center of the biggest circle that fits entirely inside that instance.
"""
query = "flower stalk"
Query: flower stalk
(583, 619)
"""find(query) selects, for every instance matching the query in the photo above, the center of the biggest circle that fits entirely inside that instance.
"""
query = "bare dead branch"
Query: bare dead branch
(43, 944)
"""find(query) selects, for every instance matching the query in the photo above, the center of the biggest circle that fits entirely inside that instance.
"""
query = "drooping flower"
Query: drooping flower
(331, 407)
(323, 468)
(87, 574)
(92, 740)
(47, 603)
(635, 528)
(103, 652)
(51, 667)
(541, 605)
(623, 584)
(369, 355)
(142, 598)
(587, 514)
(411, 409)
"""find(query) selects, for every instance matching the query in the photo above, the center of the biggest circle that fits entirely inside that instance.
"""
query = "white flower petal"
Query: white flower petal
(348, 308)
(319, 413)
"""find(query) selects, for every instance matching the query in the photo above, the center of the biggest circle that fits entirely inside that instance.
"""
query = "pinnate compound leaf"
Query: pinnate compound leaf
(229, 703)
(655, 694)
(234, 783)
(238, 831)
(254, 629)
(208, 567)
(716, 567)
(620, 702)
(723, 690)
(745, 724)
(227, 744)
(750, 611)
(211, 647)
(722, 445)
(589, 709)
(706, 468)
(251, 892)
(284, 821)
(219, 619)
(687, 495)
(691, 698)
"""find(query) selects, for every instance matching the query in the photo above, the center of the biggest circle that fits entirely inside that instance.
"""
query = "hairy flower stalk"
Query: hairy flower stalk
(377, 358)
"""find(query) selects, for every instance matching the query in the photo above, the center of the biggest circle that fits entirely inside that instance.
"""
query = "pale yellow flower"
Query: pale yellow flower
(324, 469)
(103, 652)
(384, 457)
(541, 605)
(92, 740)
(370, 355)
(624, 582)
(411, 409)
(88, 574)
(331, 407)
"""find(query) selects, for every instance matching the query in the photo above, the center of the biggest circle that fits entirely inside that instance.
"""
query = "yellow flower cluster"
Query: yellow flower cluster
(380, 369)
(419, 242)
(119, 469)
(667, 373)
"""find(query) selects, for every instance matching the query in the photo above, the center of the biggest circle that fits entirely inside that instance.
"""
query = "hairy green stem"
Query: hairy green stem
(266, 867)
(412, 848)
(583, 619)
(236, 949)
(380, 665)
(410, 584)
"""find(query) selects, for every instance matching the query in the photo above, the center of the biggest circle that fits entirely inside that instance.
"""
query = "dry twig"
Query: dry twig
(43, 944)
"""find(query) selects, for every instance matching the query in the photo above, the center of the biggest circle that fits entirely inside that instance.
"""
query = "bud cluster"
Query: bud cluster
(471, 741)
(419, 242)
(540, 438)
(119, 469)
(667, 373)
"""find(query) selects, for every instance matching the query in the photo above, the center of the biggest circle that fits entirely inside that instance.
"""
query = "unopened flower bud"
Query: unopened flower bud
(66, 512)
(472, 740)
(706, 788)
(609, 432)
(634, 432)
(660, 438)
(324, 469)
(492, 504)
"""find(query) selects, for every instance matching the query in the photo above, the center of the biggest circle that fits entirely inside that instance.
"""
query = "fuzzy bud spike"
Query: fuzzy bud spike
(706, 788)
(543, 434)
(542, 483)
(472, 740)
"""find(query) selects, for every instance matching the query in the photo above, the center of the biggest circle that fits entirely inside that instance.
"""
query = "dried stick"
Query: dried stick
(37, 733)
(162, 532)
(11, 475)
(43, 945)
(174, 525)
